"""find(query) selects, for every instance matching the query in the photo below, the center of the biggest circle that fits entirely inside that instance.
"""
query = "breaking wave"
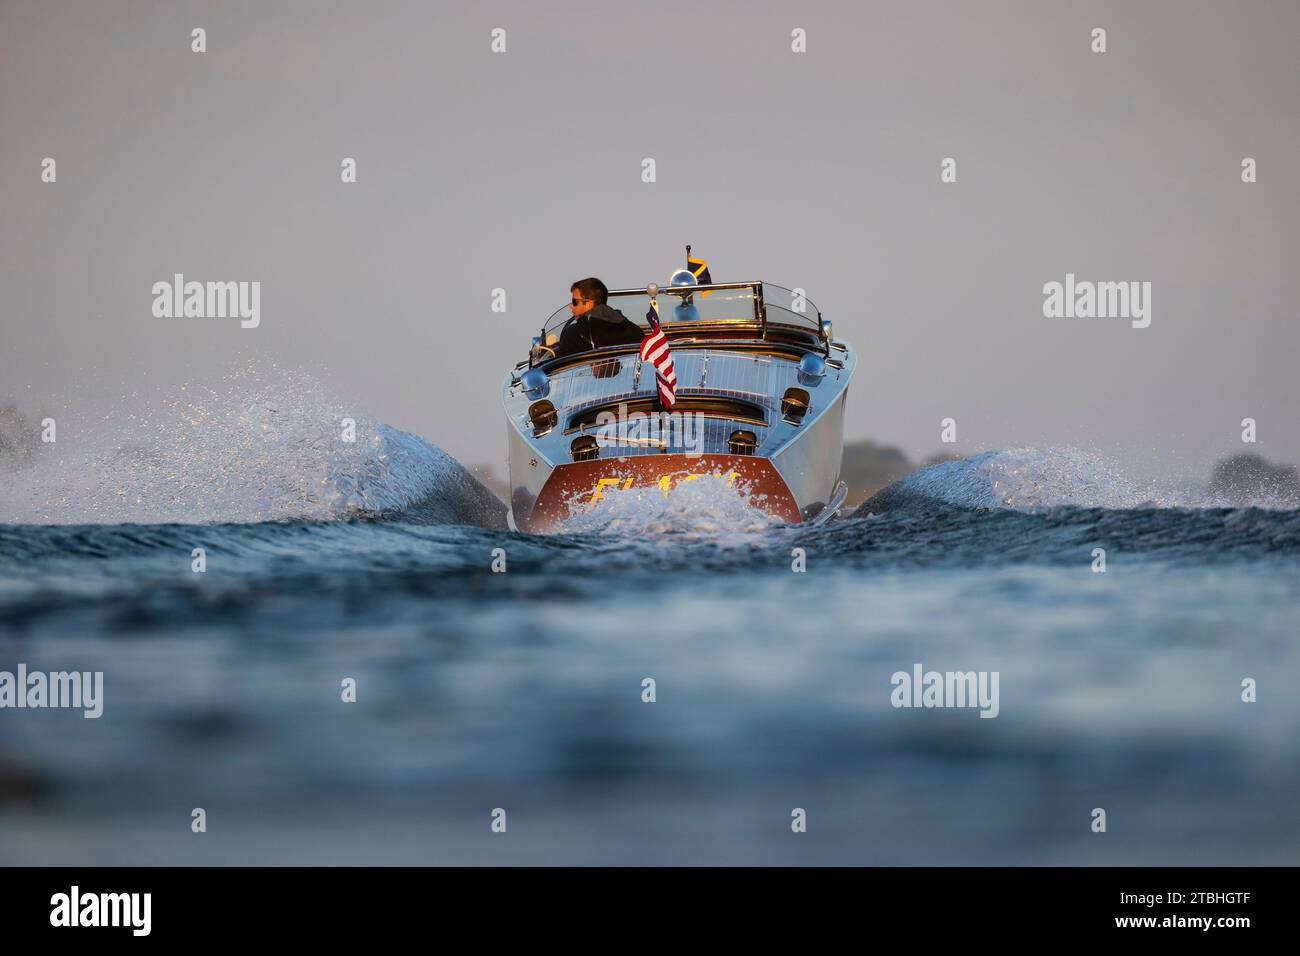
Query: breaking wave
(255, 449)
(1031, 478)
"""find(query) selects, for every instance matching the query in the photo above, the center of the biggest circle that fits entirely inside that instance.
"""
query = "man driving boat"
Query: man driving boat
(594, 324)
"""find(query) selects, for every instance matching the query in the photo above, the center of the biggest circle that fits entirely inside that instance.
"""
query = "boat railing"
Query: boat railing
(721, 373)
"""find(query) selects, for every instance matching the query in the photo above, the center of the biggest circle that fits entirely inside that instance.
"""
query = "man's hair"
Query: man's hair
(593, 289)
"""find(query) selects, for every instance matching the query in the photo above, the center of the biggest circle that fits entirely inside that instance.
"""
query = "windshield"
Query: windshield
(790, 306)
(744, 304)
(678, 304)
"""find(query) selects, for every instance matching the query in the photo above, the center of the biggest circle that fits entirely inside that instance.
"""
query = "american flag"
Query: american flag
(654, 349)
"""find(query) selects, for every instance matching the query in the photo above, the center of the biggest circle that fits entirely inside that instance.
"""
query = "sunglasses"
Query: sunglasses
(576, 301)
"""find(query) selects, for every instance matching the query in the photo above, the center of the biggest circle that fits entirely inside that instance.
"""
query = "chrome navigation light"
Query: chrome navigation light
(812, 369)
(742, 442)
(794, 405)
(543, 416)
(536, 383)
(585, 448)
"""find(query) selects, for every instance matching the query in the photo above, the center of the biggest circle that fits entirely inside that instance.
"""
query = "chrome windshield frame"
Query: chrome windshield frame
(759, 320)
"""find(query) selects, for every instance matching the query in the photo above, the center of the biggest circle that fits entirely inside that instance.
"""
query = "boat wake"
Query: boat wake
(1017, 480)
(257, 449)
(1028, 479)
(274, 448)
(702, 506)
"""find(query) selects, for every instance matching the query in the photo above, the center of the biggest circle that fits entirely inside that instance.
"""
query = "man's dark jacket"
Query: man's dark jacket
(601, 326)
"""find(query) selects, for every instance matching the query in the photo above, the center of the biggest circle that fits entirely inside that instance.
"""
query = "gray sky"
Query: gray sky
(522, 170)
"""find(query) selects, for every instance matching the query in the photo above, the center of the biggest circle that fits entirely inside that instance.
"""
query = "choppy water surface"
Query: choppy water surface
(523, 690)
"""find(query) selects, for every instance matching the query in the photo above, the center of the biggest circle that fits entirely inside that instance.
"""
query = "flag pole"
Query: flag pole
(689, 297)
(651, 290)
